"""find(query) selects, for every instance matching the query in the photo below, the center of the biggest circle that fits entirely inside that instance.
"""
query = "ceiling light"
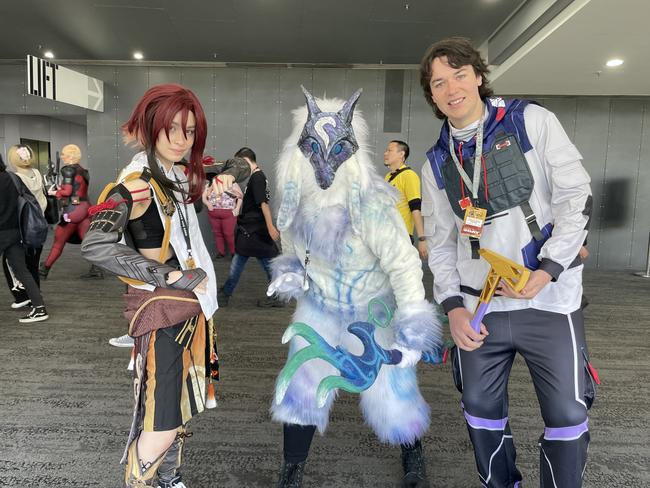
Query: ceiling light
(612, 63)
(138, 55)
(48, 54)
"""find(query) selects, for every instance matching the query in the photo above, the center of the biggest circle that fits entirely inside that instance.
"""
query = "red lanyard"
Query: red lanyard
(483, 165)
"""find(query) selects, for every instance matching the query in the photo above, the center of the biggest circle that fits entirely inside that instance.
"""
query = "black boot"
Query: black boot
(43, 271)
(93, 272)
(415, 473)
(291, 475)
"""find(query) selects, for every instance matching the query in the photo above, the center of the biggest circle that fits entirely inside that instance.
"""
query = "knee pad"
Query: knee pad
(169, 468)
(136, 475)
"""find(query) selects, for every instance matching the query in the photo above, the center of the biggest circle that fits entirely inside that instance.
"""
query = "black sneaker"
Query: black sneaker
(38, 314)
(271, 302)
(222, 298)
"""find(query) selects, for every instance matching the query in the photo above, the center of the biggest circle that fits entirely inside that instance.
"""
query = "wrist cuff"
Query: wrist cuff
(551, 267)
(451, 303)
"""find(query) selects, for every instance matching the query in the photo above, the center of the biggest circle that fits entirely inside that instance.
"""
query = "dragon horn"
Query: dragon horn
(312, 106)
(348, 108)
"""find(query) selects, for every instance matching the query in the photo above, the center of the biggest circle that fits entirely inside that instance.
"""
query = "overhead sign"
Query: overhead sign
(48, 80)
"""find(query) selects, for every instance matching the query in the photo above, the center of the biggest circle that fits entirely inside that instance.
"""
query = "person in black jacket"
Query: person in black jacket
(20, 159)
(12, 249)
(256, 235)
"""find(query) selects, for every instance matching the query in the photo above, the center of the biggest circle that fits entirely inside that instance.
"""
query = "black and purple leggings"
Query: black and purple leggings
(553, 346)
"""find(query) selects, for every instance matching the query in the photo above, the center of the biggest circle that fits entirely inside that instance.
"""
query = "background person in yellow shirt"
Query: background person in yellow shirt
(407, 181)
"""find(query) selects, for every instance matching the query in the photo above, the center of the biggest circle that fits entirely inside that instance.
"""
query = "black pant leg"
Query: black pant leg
(297, 441)
(555, 351)
(33, 257)
(16, 259)
(484, 373)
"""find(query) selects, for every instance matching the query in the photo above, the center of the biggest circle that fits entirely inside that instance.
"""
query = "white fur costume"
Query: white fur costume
(359, 250)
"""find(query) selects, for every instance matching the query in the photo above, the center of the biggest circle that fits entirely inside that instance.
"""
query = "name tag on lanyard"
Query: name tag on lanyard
(473, 222)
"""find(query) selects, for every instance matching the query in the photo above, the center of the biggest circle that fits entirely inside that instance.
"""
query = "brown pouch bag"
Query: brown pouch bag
(164, 307)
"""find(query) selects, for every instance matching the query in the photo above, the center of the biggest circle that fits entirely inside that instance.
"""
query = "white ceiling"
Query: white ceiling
(568, 56)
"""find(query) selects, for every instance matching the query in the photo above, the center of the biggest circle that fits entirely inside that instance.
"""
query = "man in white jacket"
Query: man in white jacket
(504, 176)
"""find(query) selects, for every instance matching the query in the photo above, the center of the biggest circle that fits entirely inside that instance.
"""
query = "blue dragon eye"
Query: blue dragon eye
(314, 147)
(338, 148)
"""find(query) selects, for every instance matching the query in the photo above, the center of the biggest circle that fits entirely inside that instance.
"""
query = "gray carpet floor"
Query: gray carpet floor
(65, 397)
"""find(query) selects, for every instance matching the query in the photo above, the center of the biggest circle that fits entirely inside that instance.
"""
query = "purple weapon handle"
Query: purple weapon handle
(395, 356)
(478, 316)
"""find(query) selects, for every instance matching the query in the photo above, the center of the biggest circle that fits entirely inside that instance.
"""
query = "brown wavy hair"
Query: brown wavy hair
(459, 52)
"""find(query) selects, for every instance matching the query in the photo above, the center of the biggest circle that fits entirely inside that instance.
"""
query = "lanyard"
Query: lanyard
(473, 183)
(307, 260)
(185, 228)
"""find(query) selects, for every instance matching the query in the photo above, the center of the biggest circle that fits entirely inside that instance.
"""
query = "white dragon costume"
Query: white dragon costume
(345, 250)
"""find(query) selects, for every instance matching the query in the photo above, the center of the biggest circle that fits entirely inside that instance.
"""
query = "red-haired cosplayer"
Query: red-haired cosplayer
(73, 197)
(146, 231)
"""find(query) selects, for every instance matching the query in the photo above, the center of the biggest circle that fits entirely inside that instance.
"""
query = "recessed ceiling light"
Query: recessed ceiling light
(48, 54)
(612, 63)
(138, 55)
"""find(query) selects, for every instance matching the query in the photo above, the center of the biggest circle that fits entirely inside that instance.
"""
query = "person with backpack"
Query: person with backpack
(11, 190)
(20, 158)
(72, 193)
(223, 219)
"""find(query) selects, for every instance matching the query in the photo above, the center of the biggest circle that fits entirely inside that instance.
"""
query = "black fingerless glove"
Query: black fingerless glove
(190, 279)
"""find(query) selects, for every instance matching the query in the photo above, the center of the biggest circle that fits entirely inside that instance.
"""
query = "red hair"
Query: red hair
(155, 112)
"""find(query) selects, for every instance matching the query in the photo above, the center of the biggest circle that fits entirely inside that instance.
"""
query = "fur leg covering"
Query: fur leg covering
(394, 407)
(417, 326)
(299, 403)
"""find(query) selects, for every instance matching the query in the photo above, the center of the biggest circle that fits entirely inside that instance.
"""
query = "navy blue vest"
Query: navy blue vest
(509, 180)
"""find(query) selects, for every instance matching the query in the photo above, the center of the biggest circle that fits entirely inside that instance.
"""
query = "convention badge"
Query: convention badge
(473, 222)
(189, 262)
(465, 203)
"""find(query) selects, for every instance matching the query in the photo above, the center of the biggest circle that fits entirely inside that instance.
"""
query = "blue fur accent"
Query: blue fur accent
(328, 237)
(394, 407)
(417, 326)
(288, 205)
(286, 263)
